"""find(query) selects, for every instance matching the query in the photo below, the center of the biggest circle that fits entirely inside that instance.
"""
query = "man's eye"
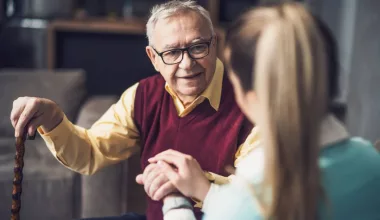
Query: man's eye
(173, 53)
(198, 48)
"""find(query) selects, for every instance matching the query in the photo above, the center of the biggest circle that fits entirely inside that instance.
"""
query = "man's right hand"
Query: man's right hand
(156, 185)
(28, 113)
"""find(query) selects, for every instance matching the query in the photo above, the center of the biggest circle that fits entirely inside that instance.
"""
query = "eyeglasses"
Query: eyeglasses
(195, 51)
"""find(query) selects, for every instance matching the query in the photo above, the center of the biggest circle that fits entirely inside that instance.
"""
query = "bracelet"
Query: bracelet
(177, 202)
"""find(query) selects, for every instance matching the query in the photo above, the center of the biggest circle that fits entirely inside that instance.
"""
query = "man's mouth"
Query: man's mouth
(191, 76)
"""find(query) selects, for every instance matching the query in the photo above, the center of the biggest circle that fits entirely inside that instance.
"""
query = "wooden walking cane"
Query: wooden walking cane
(17, 180)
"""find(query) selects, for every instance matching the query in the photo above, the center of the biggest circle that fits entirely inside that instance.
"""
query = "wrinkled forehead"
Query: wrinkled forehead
(180, 30)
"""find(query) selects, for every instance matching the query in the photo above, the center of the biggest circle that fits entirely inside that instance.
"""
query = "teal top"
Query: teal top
(350, 177)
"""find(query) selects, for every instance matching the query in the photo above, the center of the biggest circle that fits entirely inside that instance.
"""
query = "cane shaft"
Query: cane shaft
(17, 179)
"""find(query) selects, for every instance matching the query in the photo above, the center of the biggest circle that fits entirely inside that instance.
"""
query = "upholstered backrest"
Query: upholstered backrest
(65, 87)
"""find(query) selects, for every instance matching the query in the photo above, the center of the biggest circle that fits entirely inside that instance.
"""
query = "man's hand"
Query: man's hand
(28, 113)
(188, 177)
(156, 184)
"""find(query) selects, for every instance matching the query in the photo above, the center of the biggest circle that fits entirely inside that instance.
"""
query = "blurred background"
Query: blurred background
(84, 53)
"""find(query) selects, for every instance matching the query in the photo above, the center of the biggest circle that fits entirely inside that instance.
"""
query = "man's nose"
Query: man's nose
(187, 62)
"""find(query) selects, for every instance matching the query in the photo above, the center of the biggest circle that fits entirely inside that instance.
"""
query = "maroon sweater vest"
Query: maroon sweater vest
(211, 137)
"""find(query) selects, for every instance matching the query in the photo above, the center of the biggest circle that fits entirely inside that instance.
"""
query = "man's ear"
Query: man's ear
(251, 95)
(215, 41)
(214, 44)
(152, 56)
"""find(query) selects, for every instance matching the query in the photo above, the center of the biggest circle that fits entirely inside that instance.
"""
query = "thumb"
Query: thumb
(140, 179)
(169, 172)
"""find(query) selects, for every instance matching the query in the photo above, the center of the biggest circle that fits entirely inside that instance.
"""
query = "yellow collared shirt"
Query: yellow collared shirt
(114, 137)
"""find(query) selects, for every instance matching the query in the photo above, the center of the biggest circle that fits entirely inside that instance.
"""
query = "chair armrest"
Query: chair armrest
(101, 192)
(93, 109)
(112, 190)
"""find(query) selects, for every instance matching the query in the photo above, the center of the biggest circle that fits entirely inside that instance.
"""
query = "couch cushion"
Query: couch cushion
(66, 87)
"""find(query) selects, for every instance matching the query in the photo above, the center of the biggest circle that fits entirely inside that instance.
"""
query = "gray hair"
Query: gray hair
(172, 8)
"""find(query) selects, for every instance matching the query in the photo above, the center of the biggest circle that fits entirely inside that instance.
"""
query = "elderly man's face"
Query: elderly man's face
(190, 77)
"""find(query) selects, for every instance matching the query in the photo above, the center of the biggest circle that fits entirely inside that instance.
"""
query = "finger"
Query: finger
(160, 180)
(140, 179)
(147, 171)
(177, 161)
(171, 152)
(166, 154)
(149, 180)
(33, 124)
(163, 191)
(26, 115)
(17, 109)
(170, 173)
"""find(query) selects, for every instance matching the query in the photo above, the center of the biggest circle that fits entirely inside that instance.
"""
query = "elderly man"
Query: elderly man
(188, 107)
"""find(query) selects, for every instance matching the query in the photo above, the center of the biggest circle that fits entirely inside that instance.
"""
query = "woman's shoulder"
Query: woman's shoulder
(352, 153)
(353, 163)
(350, 174)
(352, 148)
(358, 142)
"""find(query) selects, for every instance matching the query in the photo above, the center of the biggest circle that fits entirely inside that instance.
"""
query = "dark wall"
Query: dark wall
(364, 86)
(113, 62)
(23, 44)
(356, 25)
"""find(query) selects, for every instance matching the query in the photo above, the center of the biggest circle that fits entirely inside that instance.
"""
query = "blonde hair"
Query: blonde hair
(288, 67)
(171, 8)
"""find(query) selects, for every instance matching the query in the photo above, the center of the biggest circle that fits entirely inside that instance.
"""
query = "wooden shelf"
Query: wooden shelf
(90, 25)
(102, 25)
(132, 26)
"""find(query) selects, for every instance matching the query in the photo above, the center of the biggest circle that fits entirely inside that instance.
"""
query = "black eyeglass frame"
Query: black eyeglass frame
(208, 43)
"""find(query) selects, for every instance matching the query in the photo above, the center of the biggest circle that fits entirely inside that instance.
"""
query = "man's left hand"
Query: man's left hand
(184, 172)
(156, 184)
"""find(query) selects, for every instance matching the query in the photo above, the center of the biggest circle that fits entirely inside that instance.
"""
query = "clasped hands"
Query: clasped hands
(173, 172)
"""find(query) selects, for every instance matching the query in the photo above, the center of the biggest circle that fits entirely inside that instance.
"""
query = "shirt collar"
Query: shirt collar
(214, 90)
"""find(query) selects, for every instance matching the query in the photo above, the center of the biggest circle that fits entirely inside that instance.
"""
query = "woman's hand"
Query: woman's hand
(184, 172)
